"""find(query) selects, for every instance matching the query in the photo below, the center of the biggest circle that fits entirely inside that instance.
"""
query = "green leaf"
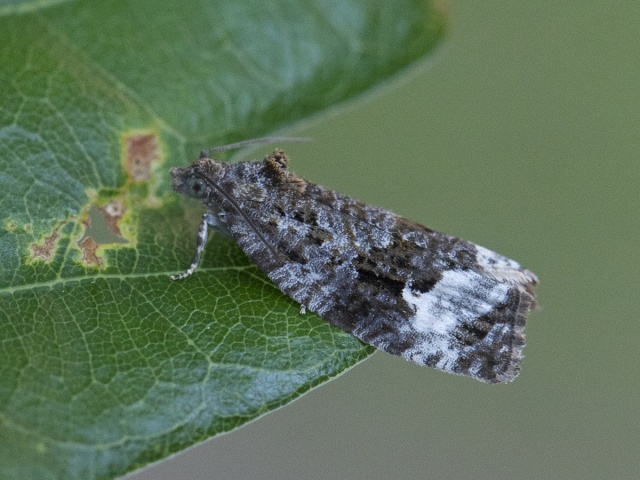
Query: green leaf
(105, 364)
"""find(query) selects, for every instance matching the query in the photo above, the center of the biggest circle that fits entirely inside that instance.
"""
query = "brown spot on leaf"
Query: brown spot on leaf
(44, 250)
(141, 151)
(89, 256)
(113, 212)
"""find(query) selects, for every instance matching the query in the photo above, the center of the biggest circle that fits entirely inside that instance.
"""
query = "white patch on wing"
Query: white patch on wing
(503, 269)
(288, 225)
(458, 298)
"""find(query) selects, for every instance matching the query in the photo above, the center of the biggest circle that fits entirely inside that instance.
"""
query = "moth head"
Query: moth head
(190, 181)
(197, 180)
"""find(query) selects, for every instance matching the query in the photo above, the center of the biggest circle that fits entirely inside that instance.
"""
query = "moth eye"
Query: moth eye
(196, 187)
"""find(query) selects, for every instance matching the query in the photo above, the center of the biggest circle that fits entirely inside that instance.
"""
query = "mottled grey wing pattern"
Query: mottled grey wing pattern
(431, 298)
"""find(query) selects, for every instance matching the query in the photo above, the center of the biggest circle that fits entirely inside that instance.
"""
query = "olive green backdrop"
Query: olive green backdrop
(522, 135)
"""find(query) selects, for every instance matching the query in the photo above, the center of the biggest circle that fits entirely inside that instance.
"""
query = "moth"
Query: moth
(431, 298)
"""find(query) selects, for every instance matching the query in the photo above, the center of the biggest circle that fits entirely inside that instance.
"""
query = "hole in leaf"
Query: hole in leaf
(89, 255)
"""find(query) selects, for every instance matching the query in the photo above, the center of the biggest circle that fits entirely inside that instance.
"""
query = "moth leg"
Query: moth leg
(203, 234)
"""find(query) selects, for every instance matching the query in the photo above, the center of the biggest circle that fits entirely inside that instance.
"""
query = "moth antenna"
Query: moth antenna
(253, 141)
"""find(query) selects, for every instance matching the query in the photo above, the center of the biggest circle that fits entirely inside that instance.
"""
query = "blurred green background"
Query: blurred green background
(523, 135)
